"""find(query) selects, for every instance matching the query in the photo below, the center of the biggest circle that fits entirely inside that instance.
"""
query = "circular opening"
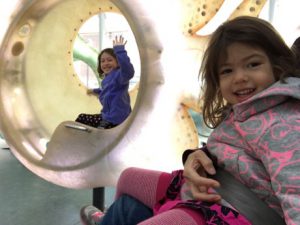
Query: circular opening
(17, 48)
(96, 34)
(25, 30)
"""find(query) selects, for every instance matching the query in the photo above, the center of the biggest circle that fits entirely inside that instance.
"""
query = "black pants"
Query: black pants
(94, 120)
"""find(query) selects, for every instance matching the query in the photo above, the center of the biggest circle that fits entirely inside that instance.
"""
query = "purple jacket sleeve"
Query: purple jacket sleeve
(97, 90)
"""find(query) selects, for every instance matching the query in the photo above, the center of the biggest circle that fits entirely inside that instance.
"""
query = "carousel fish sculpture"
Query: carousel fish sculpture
(41, 94)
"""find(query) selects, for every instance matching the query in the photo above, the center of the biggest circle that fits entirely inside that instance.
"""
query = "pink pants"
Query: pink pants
(149, 186)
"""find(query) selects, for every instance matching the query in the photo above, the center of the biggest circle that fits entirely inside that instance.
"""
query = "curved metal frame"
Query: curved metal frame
(39, 89)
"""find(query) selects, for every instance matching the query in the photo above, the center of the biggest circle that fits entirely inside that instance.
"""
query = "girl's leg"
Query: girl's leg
(126, 210)
(148, 186)
(92, 120)
(177, 216)
(137, 192)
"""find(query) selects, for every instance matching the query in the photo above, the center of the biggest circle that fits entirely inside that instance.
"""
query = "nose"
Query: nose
(104, 63)
(240, 76)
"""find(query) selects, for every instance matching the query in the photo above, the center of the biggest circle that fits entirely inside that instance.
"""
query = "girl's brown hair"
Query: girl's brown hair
(250, 31)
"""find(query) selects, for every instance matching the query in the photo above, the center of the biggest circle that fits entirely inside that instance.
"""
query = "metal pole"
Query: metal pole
(99, 192)
(99, 198)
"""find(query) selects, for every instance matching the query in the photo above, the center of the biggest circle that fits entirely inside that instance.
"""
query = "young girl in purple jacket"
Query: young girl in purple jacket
(251, 90)
(115, 68)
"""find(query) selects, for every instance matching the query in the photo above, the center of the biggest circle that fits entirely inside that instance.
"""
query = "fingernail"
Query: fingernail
(211, 171)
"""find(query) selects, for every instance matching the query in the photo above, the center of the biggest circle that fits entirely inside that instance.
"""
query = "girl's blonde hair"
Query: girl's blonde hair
(250, 31)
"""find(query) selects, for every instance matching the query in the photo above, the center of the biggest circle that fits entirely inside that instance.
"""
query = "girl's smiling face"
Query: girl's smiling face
(245, 71)
(108, 63)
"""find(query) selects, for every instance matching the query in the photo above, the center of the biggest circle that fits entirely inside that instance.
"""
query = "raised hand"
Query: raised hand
(119, 40)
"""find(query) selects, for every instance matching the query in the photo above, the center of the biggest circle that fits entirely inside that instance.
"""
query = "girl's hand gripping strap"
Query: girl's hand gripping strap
(240, 196)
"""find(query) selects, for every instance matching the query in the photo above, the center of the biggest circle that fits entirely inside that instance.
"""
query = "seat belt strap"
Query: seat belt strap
(245, 201)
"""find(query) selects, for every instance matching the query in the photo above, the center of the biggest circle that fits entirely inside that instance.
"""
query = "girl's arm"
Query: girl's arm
(126, 67)
(196, 167)
(96, 91)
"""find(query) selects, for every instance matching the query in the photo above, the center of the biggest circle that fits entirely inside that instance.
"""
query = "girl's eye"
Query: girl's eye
(254, 64)
(225, 71)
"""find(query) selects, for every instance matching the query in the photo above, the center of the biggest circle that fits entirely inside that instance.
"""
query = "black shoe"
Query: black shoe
(106, 125)
(90, 215)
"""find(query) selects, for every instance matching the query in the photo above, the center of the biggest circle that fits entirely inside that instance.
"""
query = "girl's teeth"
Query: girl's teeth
(245, 92)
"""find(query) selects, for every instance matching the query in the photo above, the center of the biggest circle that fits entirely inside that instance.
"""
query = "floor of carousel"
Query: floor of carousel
(27, 199)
